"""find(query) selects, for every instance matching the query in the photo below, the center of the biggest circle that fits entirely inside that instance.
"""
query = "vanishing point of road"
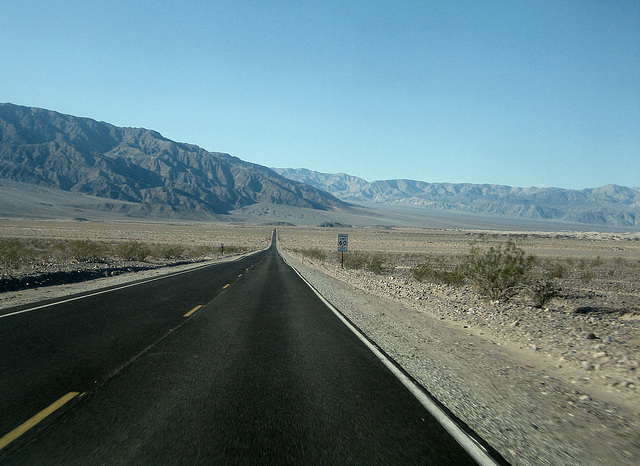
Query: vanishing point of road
(235, 363)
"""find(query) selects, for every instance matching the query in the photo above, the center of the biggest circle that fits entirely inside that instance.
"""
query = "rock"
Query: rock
(591, 336)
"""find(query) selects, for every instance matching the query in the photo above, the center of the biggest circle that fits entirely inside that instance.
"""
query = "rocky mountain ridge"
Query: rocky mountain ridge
(137, 172)
(150, 173)
(606, 205)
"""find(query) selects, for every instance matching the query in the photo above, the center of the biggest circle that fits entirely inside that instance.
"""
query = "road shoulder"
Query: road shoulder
(10, 299)
(523, 409)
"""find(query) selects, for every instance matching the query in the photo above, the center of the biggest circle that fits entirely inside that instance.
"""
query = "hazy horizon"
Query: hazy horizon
(637, 188)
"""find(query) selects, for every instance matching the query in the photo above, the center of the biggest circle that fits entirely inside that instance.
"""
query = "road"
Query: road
(263, 372)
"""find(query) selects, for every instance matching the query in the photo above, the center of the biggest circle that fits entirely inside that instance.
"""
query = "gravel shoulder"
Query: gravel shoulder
(31, 295)
(528, 406)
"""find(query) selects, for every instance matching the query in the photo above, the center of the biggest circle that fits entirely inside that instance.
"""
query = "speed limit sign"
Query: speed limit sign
(343, 242)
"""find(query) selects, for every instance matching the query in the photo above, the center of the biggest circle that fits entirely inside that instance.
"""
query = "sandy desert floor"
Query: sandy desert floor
(557, 385)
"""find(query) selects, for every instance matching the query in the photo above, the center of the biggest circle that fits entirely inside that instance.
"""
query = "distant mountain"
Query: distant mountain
(608, 205)
(138, 166)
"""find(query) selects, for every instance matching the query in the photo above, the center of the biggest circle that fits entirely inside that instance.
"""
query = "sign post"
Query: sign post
(343, 243)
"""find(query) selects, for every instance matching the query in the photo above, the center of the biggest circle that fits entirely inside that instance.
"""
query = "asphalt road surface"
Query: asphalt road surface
(263, 372)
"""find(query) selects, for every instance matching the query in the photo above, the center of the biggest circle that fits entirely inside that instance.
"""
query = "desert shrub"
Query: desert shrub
(556, 270)
(422, 272)
(587, 276)
(207, 251)
(378, 265)
(133, 251)
(375, 263)
(619, 262)
(38, 246)
(203, 251)
(234, 249)
(85, 250)
(354, 260)
(542, 292)
(439, 273)
(313, 253)
(498, 272)
(12, 253)
(168, 252)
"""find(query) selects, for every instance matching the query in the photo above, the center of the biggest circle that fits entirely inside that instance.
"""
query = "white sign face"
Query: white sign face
(343, 242)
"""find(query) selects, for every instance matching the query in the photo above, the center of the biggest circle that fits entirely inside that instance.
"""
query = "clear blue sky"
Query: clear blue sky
(522, 93)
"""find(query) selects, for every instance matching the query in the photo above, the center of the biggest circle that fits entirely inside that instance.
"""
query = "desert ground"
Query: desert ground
(556, 384)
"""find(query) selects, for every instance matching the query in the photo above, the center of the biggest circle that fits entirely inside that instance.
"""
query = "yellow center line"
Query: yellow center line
(193, 310)
(226, 286)
(239, 275)
(21, 429)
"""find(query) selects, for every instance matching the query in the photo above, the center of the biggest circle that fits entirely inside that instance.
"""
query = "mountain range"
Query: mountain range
(607, 205)
(138, 166)
(51, 162)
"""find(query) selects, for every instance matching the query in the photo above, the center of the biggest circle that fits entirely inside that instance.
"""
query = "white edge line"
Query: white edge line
(467, 442)
(128, 285)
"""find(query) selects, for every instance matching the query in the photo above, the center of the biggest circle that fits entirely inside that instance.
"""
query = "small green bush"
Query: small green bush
(498, 272)
(168, 252)
(542, 292)
(378, 265)
(354, 260)
(313, 253)
(439, 273)
(556, 271)
(229, 249)
(619, 261)
(422, 272)
(203, 251)
(133, 251)
(12, 253)
(84, 250)
(587, 276)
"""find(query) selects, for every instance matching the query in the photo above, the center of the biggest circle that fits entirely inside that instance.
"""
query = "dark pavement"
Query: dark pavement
(263, 373)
